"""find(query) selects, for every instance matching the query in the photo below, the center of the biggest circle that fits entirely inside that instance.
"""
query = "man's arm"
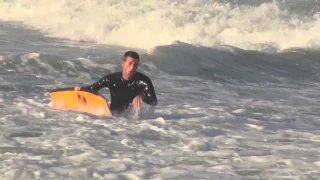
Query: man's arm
(148, 94)
(103, 82)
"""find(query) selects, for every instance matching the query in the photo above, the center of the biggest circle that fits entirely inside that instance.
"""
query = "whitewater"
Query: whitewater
(237, 84)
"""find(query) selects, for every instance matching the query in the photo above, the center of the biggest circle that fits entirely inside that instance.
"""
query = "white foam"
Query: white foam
(152, 23)
(199, 146)
(255, 126)
(39, 115)
(317, 163)
(222, 167)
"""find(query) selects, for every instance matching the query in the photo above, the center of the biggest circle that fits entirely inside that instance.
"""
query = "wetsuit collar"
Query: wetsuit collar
(123, 80)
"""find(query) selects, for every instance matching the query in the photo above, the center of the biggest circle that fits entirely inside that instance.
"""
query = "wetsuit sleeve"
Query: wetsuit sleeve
(148, 93)
(103, 82)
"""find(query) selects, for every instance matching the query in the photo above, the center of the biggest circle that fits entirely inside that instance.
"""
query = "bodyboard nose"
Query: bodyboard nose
(68, 99)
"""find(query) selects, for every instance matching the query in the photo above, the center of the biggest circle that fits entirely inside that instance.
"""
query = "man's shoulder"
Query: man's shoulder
(112, 75)
(142, 76)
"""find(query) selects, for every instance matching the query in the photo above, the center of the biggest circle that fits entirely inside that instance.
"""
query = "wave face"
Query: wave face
(247, 24)
(229, 64)
(226, 64)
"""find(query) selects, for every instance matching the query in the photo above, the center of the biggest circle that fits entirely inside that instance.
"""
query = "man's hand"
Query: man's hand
(137, 102)
(77, 88)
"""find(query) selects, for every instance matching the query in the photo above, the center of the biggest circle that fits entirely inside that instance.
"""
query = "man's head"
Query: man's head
(130, 63)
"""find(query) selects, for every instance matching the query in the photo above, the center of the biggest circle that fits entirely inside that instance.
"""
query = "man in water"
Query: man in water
(128, 87)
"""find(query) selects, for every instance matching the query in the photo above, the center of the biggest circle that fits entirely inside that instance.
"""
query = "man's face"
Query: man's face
(129, 67)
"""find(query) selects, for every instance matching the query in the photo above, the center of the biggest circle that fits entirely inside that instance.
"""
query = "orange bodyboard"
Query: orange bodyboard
(82, 101)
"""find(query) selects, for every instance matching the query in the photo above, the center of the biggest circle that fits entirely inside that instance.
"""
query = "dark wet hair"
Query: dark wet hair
(131, 54)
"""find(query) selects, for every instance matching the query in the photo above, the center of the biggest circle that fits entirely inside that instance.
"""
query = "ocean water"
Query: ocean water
(237, 83)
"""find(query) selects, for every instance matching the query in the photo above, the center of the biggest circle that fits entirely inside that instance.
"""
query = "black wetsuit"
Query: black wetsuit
(123, 91)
